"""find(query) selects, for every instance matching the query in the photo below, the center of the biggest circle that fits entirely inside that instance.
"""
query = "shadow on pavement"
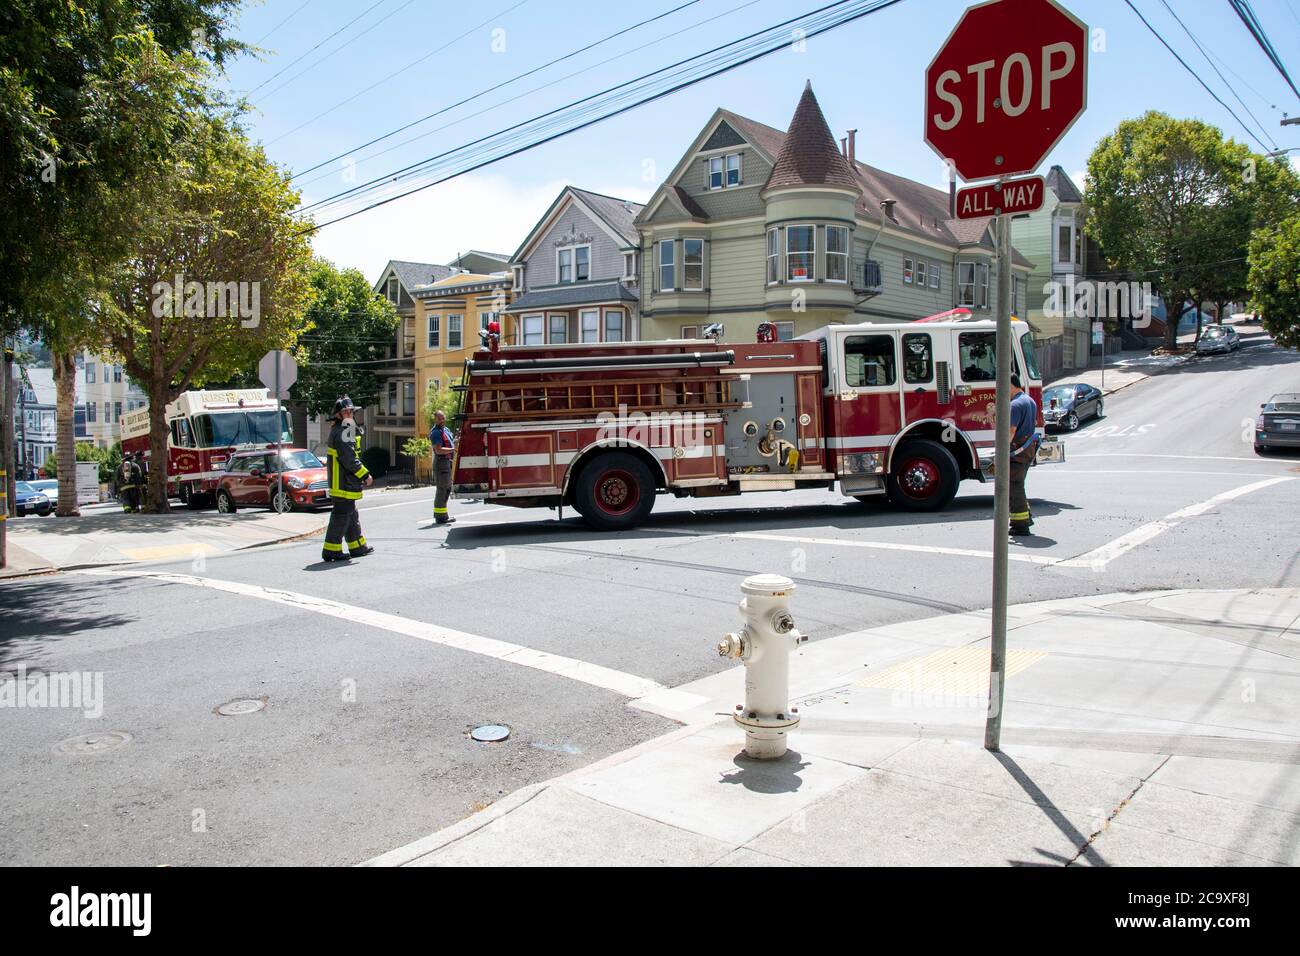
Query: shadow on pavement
(767, 776)
(1051, 810)
(40, 612)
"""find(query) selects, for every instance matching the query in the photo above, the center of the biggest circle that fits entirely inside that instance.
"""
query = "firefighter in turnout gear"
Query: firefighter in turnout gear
(444, 450)
(129, 478)
(347, 476)
(1024, 449)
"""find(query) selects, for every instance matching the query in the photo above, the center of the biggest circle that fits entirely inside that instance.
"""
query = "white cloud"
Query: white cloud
(484, 212)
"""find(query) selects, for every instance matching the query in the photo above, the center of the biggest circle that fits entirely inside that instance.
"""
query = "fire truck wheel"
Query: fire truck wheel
(923, 476)
(615, 491)
(225, 503)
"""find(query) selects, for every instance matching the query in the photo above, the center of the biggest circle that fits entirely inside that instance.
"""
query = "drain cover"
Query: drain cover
(237, 708)
(96, 743)
(490, 733)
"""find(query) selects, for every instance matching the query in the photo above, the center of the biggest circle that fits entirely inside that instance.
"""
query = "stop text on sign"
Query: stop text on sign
(1016, 74)
(1015, 196)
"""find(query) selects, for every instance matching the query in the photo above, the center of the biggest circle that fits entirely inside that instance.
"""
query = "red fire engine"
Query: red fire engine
(900, 409)
(203, 429)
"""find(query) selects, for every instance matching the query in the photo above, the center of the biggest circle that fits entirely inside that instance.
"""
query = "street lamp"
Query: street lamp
(1281, 152)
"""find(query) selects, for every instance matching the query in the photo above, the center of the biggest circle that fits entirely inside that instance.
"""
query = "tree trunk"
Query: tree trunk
(6, 443)
(65, 442)
(156, 485)
(1200, 320)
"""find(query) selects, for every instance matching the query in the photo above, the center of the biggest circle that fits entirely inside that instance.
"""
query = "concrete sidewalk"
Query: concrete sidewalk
(37, 545)
(1160, 728)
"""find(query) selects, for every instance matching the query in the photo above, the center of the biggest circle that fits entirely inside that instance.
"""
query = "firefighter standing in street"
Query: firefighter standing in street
(1024, 448)
(347, 476)
(444, 449)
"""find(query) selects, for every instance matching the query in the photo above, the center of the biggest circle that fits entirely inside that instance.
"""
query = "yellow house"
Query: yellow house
(449, 314)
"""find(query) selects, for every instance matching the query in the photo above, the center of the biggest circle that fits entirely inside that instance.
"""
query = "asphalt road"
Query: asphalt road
(373, 672)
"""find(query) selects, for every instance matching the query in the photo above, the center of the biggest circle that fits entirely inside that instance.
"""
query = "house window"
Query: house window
(590, 322)
(534, 330)
(408, 398)
(559, 328)
(800, 251)
(733, 169)
(90, 373)
(564, 269)
(982, 274)
(871, 274)
(837, 253)
(117, 373)
(629, 265)
(117, 411)
(392, 398)
(784, 331)
(666, 278)
(773, 256)
(693, 265)
(393, 291)
(908, 268)
(917, 358)
(724, 171)
(966, 283)
(1064, 242)
(920, 273)
(434, 330)
(690, 332)
(484, 318)
(934, 275)
(90, 411)
(582, 263)
(455, 331)
(613, 325)
(869, 360)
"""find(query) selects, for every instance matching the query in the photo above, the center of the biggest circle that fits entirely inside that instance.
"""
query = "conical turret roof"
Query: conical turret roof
(809, 155)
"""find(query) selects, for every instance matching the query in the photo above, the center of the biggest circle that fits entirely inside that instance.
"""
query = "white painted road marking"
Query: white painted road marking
(629, 685)
(893, 546)
(1098, 558)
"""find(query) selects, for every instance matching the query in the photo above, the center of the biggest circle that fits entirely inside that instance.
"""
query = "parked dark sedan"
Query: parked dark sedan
(1066, 405)
(27, 500)
(1278, 424)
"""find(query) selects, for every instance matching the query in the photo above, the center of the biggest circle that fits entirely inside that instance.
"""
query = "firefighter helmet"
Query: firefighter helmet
(341, 404)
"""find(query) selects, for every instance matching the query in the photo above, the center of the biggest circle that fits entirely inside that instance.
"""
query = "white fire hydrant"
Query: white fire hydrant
(764, 644)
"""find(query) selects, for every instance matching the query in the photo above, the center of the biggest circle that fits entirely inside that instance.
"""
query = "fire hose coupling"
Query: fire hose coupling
(764, 643)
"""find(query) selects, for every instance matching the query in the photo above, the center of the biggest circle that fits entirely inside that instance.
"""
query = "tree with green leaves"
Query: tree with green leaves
(1167, 204)
(1275, 280)
(348, 334)
(219, 273)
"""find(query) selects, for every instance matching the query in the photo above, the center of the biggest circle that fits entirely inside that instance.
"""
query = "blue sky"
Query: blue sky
(868, 75)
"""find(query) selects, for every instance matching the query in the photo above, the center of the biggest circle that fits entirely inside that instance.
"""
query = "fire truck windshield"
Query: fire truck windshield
(223, 429)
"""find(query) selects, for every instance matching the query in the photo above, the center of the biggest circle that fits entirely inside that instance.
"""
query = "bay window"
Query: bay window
(533, 329)
(693, 265)
(837, 253)
(559, 328)
(966, 283)
(614, 325)
(589, 325)
(800, 253)
(434, 330)
(982, 272)
(773, 256)
(667, 280)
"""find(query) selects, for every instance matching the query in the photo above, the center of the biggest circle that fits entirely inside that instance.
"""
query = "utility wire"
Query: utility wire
(1197, 77)
(1192, 36)
(395, 73)
(318, 45)
(342, 46)
(771, 39)
(1247, 15)
(259, 40)
(519, 76)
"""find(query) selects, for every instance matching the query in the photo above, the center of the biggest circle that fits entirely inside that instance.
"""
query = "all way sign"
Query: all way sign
(1001, 199)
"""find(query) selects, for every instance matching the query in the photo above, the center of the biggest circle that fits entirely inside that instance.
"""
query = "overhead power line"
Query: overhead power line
(491, 89)
(604, 105)
(299, 59)
(1197, 42)
(259, 40)
(1174, 54)
(1248, 17)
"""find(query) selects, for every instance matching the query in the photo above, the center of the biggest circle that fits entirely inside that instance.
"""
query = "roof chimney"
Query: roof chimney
(844, 146)
(887, 205)
(853, 152)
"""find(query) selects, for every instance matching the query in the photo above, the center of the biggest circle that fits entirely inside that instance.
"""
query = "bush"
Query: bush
(376, 460)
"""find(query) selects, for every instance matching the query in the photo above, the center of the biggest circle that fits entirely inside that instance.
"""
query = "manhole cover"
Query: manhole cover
(96, 743)
(237, 708)
(490, 733)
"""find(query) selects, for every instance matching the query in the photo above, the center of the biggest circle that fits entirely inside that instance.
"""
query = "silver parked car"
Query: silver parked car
(1278, 424)
(1217, 338)
(1066, 405)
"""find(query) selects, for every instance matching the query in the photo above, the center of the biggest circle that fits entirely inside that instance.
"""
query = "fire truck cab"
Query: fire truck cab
(203, 429)
(903, 410)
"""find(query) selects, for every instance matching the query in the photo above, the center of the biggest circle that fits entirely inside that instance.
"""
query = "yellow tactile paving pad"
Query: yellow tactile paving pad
(159, 552)
(952, 671)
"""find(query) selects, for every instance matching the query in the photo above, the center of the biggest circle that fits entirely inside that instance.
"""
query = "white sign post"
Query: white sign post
(278, 371)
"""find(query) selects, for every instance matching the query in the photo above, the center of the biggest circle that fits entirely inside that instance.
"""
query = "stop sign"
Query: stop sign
(1006, 86)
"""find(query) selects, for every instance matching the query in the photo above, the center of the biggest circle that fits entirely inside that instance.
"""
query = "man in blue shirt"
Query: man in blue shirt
(1024, 447)
(444, 449)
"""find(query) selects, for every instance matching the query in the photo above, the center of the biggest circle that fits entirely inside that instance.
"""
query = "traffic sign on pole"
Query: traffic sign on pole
(1009, 82)
(278, 371)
